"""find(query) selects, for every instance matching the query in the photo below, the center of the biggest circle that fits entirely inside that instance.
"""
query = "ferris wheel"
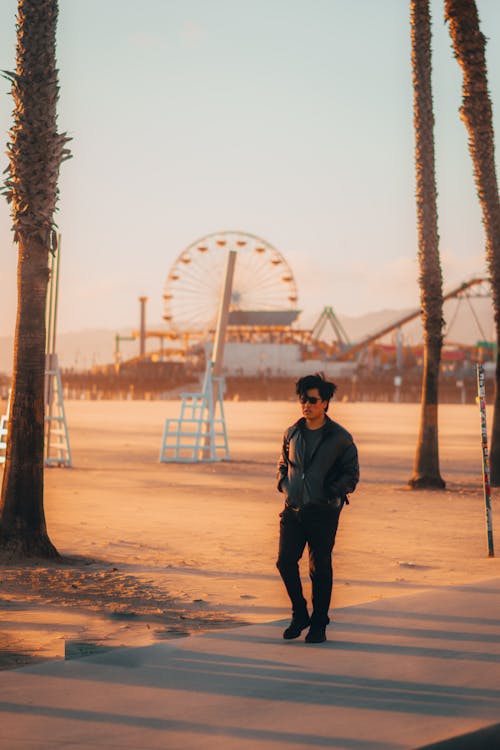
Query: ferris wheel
(263, 280)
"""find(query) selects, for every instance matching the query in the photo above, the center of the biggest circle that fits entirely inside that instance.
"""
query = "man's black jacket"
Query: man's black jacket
(331, 472)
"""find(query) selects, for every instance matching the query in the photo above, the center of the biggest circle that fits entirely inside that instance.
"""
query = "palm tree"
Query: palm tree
(426, 465)
(469, 47)
(36, 151)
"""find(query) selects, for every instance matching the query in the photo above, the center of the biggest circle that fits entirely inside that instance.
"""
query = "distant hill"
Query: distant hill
(466, 324)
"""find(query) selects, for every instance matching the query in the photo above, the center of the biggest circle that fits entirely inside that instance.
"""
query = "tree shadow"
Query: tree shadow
(281, 681)
(97, 590)
(200, 728)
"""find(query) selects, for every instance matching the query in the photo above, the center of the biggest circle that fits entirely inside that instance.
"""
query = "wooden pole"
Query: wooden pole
(214, 367)
(220, 331)
(56, 266)
(481, 391)
(142, 332)
(50, 348)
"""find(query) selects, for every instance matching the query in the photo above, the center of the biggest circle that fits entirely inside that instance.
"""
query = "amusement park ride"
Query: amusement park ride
(263, 299)
(461, 292)
(263, 307)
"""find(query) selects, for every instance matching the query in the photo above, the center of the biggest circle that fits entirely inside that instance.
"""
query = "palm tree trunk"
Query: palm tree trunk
(476, 112)
(36, 151)
(22, 521)
(426, 471)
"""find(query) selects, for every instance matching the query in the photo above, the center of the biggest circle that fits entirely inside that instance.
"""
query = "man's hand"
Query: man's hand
(335, 503)
(292, 506)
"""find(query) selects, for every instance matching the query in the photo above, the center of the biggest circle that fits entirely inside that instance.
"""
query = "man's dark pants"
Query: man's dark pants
(315, 526)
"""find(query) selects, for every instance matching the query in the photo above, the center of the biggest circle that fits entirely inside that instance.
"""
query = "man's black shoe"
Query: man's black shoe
(316, 634)
(296, 627)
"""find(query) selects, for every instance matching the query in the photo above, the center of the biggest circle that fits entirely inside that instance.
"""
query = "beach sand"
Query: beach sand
(156, 551)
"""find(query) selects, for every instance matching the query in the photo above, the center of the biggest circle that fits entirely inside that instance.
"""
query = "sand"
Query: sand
(156, 551)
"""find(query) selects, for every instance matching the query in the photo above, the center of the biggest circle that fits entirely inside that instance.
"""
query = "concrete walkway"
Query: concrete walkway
(397, 673)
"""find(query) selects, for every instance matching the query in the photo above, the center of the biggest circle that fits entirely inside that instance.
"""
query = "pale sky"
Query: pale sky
(288, 119)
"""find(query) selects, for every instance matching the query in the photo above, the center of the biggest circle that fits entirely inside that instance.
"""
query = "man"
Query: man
(317, 469)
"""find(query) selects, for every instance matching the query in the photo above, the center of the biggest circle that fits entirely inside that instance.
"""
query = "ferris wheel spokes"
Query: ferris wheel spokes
(263, 280)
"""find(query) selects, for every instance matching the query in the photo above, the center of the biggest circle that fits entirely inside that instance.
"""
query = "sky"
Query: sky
(288, 119)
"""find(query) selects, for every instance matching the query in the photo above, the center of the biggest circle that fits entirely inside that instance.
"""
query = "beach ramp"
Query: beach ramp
(398, 673)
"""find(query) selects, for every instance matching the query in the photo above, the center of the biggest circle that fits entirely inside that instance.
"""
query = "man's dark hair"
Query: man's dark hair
(326, 389)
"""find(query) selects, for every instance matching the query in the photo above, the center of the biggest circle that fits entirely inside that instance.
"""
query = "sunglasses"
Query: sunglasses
(309, 399)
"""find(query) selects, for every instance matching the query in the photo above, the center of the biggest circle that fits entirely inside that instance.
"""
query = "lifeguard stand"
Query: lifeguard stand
(199, 434)
(57, 449)
(4, 421)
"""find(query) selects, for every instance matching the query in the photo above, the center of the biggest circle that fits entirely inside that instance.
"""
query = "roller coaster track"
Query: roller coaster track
(456, 292)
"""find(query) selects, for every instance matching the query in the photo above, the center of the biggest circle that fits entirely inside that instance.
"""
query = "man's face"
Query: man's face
(312, 410)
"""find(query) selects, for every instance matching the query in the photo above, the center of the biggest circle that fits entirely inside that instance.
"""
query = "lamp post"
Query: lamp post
(142, 334)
